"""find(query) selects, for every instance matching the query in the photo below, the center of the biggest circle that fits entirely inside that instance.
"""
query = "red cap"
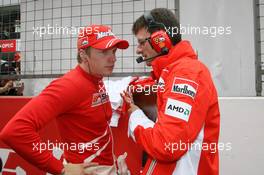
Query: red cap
(17, 57)
(99, 37)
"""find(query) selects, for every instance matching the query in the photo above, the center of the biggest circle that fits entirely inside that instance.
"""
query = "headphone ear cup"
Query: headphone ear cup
(160, 42)
(150, 41)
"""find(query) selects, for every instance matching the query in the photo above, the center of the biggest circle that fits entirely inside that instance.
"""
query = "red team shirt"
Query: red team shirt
(82, 110)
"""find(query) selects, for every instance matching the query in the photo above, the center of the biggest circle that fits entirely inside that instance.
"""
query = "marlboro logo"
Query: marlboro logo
(104, 34)
(185, 87)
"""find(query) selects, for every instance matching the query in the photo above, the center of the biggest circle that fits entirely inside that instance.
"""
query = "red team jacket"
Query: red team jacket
(82, 110)
(184, 139)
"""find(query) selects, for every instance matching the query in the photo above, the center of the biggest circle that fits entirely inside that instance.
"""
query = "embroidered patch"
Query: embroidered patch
(178, 109)
(99, 98)
(185, 87)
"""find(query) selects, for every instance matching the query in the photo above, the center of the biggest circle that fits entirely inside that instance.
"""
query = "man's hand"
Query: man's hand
(78, 169)
(9, 85)
(127, 97)
(122, 166)
(20, 89)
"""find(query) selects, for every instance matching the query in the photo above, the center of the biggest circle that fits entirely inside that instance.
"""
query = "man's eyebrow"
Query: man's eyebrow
(142, 39)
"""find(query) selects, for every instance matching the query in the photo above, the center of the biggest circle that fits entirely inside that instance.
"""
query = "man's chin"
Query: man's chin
(148, 63)
(107, 73)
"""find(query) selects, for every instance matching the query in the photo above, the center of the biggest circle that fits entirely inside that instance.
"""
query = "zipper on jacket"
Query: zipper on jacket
(151, 167)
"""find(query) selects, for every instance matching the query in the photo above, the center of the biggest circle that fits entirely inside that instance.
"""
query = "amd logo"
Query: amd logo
(179, 109)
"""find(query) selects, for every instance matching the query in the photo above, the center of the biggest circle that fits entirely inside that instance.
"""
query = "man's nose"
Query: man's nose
(114, 59)
(139, 50)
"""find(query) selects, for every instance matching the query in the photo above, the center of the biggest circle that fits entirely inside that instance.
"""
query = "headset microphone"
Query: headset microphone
(164, 51)
(141, 59)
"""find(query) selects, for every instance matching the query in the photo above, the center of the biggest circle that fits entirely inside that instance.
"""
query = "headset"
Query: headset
(159, 40)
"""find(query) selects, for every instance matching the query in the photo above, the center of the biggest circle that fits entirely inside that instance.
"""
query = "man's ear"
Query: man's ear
(83, 55)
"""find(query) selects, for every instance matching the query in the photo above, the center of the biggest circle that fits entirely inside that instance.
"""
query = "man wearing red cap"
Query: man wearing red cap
(81, 107)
